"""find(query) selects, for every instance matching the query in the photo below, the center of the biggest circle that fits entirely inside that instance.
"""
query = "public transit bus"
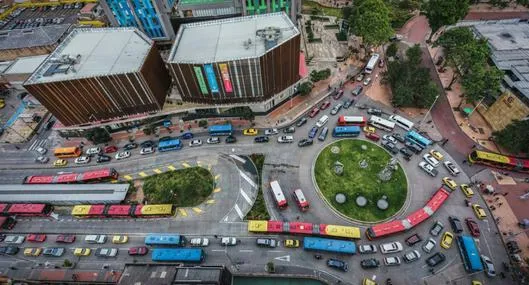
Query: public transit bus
(382, 124)
(402, 122)
(165, 240)
(329, 245)
(27, 210)
(7, 223)
(91, 176)
(416, 138)
(349, 131)
(67, 152)
(279, 197)
(220, 130)
(372, 63)
(300, 199)
(171, 144)
(352, 121)
(469, 253)
(178, 254)
(499, 161)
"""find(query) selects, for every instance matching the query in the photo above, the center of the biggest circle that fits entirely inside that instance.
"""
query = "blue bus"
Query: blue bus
(416, 138)
(330, 245)
(220, 130)
(170, 144)
(469, 253)
(178, 254)
(165, 239)
(348, 131)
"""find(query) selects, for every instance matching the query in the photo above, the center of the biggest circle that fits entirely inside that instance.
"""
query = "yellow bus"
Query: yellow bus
(66, 152)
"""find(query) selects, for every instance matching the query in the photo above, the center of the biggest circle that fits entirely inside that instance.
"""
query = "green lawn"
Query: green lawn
(358, 181)
(259, 210)
(308, 6)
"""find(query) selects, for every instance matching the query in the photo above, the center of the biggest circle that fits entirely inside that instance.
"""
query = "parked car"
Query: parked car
(367, 81)
(292, 243)
(199, 242)
(347, 103)
(305, 142)
(428, 168)
(261, 139)
(147, 150)
(412, 240)
(53, 251)
(389, 138)
(93, 151)
(120, 239)
(367, 248)
(110, 149)
(357, 90)
(138, 250)
(148, 143)
(456, 224)
(435, 259)
(42, 159)
(467, 191)
(32, 251)
(228, 241)
(454, 171)
(405, 152)
(302, 121)
(312, 132)
(14, 239)
(360, 77)
(187, 136)
(373, 111)
(250, 132)
(392, 261)
(60, 163)
(446, 240)
(65, 238)
(398, 137)
(107, 252)
(436, 154)
(369, 129)
(285, 139)
(36, 238)
(431, 160)
(325, 105)
(369, 263)
(122, 155)
(338, 94)
(390, 147)
(391, 247)
(338, 264)
(336, 109)
(130, 146)
(82, 160)
(271, 132)
(9, 250)
(411, 256)
(473, 227)
(323, 134)
(372, 136)
(266, 242)
(450, 183)
(41, 150)
(99, 239)
(413, 147)
(230, 139)
(488, 265)
(195, 142)
(479, 212)
(429, 245)
(213, 140)
(289, 130)
(436, 228)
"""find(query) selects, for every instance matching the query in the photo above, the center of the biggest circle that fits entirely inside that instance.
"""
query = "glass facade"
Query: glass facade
(138, 13)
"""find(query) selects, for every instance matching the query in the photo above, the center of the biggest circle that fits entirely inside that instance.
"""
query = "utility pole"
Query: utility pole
(429, 110)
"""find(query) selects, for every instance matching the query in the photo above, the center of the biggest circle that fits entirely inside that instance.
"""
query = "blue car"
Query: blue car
(186, 136)
(313, 132)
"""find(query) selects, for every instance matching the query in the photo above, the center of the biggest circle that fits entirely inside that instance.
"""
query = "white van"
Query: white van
(322, 121)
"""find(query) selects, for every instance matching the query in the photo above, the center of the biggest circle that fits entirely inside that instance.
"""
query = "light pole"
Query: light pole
(429, 110)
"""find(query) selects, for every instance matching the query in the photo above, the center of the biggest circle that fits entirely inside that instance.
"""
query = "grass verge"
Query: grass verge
(309, 6)
(258, 211)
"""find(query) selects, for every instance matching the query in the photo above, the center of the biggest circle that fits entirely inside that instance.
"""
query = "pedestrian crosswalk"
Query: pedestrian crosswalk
(38, 143)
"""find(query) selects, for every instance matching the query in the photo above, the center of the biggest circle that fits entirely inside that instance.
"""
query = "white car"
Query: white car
(391, 247)
(431, 160)
(489, 266)
(195, 143)
(41, 150)
(428, 168)
(14, 239)
(42, 159)
(389, 138)
(411, 256)
(213, 140)
(367, 248)
(93, 151)
(392, 261)
(95, 239)
(429, 245)
(107, 252)
(199, 242)
(451, 167)
(228, 241)
(285, 139)
(82, 160)
(367, 81)
(122, 155)
(270, 132)
(147, 150)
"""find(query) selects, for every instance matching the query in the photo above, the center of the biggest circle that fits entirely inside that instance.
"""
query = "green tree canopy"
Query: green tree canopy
(444, 12)
(305, 88)
(371, 21)
(98, 135)
(414, 54)
(480, 81)
(515, 137)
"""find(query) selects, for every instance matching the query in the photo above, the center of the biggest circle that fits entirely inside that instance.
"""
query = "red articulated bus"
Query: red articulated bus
(98, 175)
(31, 210)
(123, 211)
(415, 218)
(279, 197)
(352, 121)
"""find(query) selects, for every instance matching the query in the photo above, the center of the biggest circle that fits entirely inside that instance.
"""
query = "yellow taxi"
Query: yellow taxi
(467, 190)
(368, 281)
(2, 103)
(80, 251)
(250, 132)
(120, 239)
(368, 129)
(60, 162)
(291, 243)
(480, 213)
(32, 251)
(476, 282)
(436, 154)
(450, 183)
(446, 240)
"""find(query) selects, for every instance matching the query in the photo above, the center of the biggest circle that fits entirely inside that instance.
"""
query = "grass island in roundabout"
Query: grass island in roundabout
(361, 171)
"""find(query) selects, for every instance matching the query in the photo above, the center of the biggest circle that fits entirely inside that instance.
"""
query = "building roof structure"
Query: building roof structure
(25, 65)
(92, 52)
(32, 37)
(231, 39)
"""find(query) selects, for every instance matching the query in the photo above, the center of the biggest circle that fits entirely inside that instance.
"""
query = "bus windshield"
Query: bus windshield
(66, 152)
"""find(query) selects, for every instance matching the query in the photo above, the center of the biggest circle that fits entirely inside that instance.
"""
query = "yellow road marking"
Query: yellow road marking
(197, 210)
(217, 190)
(143, 174)
(210, 201)
(182, 212)
(157, 170)
(114, 181)
(217, 177)
(128, 177)
(186, 165)
(171, 167)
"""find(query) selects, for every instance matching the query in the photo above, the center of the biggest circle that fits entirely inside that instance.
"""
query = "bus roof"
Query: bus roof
(347, 129)
(332, 245)
(278, 193)
(163, 239)
(257, 226)
(151, 210)
(472, 253)
(177, 254)
(220, 128)
(65, 149)
(169, 142)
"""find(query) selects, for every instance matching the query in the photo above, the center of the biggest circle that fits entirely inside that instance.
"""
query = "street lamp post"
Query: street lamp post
(429, 110)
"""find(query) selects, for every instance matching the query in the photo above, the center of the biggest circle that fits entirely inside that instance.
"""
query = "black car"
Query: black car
(301, 122)
(9, 250)
(376, 112)
(390, 147)
(399, 138)
(347, 104)
(49, 125)
(130, 146)
(338, 264)
(289, 130)
(413, 147)
(357, 90)
(435, 259)
(103, 158)
(146, 144)
(263, 139)
(231, 139)
(457, 227)
(406, 152)
(369, 263)
(410, 241)
(305, 142)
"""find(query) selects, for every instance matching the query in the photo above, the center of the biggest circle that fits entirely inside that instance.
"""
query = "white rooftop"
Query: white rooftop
(508, 36)
(231, 39)
(94, 52)
(26, 65)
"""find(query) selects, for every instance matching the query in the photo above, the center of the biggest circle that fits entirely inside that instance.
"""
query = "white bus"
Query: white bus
(279, 197)
(372, 63)
(402, 122)
(382, 124)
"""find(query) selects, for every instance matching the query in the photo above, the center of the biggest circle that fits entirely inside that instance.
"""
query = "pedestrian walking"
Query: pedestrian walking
(464, 161)
(505, 194)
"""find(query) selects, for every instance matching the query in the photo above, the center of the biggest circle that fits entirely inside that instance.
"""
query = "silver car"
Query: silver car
(429, 245)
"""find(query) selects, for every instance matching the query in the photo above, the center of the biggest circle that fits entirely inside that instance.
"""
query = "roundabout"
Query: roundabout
(360, 180)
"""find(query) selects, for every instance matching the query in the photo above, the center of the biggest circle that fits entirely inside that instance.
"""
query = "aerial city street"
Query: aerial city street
(257, 142)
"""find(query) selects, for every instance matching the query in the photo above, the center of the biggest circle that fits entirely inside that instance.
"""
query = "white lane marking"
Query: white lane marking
(283, 258)
(374, 277)
(246, 197)
(248, 179)
(246, 250)
(218, 250)
(276, 251)
(238, 210)
(238, 158)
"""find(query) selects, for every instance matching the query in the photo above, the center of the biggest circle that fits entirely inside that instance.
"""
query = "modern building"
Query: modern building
(161, 274)
(97, 75)
(504, 110)
(150, 16)
(20, 70)
(252, 60)
(30, 42)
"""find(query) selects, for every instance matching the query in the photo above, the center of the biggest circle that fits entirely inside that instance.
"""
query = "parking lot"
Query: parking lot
(23, 18)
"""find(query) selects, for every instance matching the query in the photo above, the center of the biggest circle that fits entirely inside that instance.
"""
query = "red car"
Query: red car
(338, 95)
(314, 112)
(373, 137)
(325, 105)
(36, 237)
(139, 250)
(110, 149)
(473, 227)
(65, 238)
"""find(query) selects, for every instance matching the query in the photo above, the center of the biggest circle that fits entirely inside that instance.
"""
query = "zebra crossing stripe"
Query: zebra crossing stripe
(158, 171)
(197, 210)
(210, 201)
(182, 212)
(172, 168)
(217, 190)
(186, 165)
(128, 177)
(143, 174)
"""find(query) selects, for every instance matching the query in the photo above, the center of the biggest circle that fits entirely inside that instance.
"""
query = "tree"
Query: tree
(371, 21)
(444, 12)
(98, 135)
(392, 49)
(480, 81)
(414, 54)
(305, 88)
(316, 76)
(347, 12)
(515, 137)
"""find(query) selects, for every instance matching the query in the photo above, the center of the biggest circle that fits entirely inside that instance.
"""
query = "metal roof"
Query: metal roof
(231, 39)
(64, 193)
(32, 37)
(25, 65)
(94, 52)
